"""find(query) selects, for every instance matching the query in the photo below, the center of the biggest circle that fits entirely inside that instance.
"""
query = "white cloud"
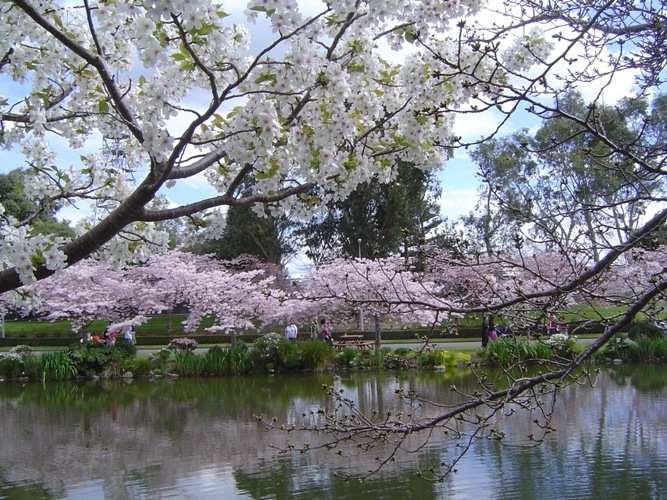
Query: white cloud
(456, 202)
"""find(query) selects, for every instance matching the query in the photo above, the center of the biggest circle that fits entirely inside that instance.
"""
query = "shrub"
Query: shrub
(266, 347)
(11, 366)
(616, 348)
(645, 329)
(127, 349)
(348, 357)
(563, 346)
(315, 354)
(441, 357)
(403, 351)
(141, 367)
(661, 349)
(160, 359)
(289, 356)
(277, 353)
(91, 358)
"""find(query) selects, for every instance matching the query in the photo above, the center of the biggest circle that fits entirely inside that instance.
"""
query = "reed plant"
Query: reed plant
(57, 365)
(233, 360)
(188, 364)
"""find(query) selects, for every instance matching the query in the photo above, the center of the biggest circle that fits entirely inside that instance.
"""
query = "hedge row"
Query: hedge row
(207, 338)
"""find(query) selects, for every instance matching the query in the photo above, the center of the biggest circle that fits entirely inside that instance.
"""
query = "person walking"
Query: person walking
(493, 335)
(485, 331)
(325, 331)
(553, 325)
(314, 329)
(291, 332)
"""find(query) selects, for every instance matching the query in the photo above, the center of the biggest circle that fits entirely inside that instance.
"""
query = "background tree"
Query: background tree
(38, 214)
(565, 187)
(266, 236)
(388, 218)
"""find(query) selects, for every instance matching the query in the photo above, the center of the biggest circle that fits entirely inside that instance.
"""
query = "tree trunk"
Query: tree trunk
(378, 337)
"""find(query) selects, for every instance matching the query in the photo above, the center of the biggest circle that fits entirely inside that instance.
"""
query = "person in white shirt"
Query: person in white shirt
(291, 331)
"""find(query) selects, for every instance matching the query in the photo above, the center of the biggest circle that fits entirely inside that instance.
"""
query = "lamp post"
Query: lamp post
(361, 311)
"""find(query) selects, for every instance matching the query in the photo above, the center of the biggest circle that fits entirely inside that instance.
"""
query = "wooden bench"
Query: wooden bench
(352, 341)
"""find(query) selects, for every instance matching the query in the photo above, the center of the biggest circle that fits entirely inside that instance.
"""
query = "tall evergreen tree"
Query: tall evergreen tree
(266, 237)
(377, 219)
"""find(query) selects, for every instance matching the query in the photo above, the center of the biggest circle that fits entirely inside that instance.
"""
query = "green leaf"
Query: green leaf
(411, 35)
(269, 173)
(103, 106)
(267, 77)
(57, 20)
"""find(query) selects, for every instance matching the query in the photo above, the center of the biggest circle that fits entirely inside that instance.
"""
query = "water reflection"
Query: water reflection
(200, 439)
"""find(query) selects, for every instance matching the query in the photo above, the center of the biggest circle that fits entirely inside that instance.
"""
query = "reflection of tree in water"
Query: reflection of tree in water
(58, 435)
(611, 427)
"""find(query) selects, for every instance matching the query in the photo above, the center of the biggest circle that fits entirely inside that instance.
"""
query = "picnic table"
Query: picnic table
(352, 341)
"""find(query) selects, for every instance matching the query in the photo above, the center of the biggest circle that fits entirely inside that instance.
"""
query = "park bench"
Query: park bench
(352, 341)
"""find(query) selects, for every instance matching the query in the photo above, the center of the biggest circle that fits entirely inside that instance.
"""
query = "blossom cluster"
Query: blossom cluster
(183, 344)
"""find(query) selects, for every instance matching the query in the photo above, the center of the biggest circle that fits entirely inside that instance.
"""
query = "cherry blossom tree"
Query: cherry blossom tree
(93, 291)
(181, 91)
(383, 288)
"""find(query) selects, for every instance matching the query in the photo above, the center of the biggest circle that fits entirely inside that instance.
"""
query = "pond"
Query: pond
(200, 439)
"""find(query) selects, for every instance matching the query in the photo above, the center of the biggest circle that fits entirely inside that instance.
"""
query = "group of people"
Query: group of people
(318, 330)
(557, 326)
(490, 332)
(109, 337)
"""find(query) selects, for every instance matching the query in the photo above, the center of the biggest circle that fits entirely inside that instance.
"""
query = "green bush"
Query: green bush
(441, 357)
(616, 348)
(661, 349)
(645, 329)
(11, 366)
(127, 349)
(403, 351)
(348, 357)
(289, 357)
(140, 367)
(274, 352)
(92, 358)
(315, 354)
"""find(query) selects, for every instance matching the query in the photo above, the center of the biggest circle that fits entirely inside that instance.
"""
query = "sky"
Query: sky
(458, 178)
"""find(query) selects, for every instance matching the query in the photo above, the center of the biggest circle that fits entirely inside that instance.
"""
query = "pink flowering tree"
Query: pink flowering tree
(237, 295)
(383, 288)
(169, 279)
(94, 291)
